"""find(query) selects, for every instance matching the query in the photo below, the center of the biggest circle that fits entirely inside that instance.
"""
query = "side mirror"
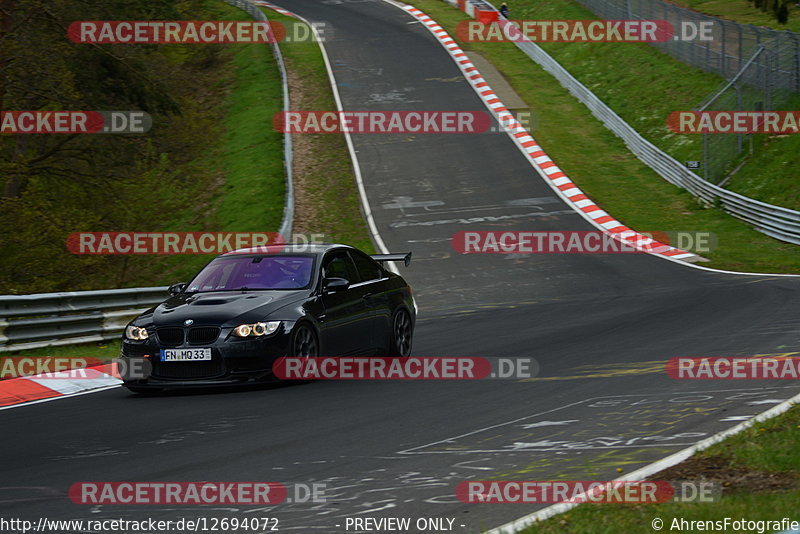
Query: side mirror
(332, 285)
(177, 289)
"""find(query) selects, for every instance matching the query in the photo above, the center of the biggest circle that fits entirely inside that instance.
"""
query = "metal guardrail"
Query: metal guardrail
(52, 319)
(49, 319)
(774, 221)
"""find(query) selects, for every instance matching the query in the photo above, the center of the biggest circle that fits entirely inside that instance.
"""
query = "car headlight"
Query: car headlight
(136, 333)
(256, 329)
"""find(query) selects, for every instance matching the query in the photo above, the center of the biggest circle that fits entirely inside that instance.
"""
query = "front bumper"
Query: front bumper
(233, 361)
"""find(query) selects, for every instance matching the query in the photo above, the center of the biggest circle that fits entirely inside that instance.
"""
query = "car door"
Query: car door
(345, 318)
(372, 284)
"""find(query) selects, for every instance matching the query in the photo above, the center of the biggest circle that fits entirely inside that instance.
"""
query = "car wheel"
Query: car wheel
(304, 342)
(402, 332)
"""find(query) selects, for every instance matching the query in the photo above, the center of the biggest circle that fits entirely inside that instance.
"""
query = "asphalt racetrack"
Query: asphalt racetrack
(600, 326)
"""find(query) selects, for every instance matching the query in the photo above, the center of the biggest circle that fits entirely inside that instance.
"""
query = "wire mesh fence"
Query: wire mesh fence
(708, 43)
(764, 83)
(761, 66)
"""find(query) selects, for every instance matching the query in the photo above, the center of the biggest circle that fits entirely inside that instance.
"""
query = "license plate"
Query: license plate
(185, 355)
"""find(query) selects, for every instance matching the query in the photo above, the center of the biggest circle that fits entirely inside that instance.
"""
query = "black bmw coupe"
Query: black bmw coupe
(249, 307)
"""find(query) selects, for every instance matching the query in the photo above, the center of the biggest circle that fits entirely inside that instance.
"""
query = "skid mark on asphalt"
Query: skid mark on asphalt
(590, 439)
(594, 438)
(404, 203)
(552, 215)
(445, 80)
(583, 440)
(595, 466)
(88, 448)
(411, 211)
(608, 371)
(616, 370)
(613, 422)
(369, 491)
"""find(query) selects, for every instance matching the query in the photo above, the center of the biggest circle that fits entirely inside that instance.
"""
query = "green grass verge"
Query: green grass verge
(651, 86)
(758, 469)
(244, 188)
(743, 11)
(253, 196)
(105, 350)
(600, 163)
(769, 174)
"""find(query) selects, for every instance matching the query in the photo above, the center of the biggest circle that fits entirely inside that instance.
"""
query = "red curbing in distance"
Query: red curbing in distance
(550, 172)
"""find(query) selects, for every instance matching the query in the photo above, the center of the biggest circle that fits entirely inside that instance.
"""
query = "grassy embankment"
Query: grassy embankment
(643, 86)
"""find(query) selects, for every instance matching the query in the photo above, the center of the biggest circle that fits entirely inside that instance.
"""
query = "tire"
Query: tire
(402, 334)
(305, 343)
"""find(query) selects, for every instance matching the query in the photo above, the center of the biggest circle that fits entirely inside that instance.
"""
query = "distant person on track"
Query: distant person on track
(504, 9)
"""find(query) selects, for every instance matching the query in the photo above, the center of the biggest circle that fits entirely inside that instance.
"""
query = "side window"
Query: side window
(339, 265)
(368, 269)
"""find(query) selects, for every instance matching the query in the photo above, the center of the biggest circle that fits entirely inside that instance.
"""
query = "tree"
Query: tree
(53, 185)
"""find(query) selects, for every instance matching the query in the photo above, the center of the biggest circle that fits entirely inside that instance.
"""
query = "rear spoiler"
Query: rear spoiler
(405, 258)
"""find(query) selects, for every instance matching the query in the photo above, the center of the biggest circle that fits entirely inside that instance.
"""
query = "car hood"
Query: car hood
(221, 308)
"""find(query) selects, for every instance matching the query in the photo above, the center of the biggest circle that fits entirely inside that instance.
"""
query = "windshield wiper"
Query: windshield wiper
(245, 288)
(242, 289)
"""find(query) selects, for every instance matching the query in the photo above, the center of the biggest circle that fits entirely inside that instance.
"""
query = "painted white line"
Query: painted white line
(649, 470)
(506, 423)
(68, 386)
(723, 271)
(736, 418)
(487, 95)
(549, 423)
(362, 193)
(485, 90)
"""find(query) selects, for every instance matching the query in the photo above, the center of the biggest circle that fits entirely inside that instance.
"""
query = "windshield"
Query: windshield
(259, 272)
